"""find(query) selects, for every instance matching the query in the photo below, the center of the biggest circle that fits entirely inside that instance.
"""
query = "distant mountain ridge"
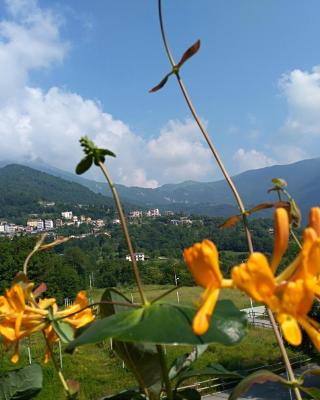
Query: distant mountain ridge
(215, 198)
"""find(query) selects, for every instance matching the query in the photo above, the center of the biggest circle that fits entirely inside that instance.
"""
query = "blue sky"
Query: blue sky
(71, 68)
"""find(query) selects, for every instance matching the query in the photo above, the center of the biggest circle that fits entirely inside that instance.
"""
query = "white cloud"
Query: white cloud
(287, 153)
(29, 40)
(302, 92)
(179, 153)
(48, 124)
(251, 159)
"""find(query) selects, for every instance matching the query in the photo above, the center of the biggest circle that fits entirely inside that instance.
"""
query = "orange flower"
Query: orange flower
(281, 226)
(290, 296)
(203, 262)
(21, 315)
(77, 315)
(17, 319)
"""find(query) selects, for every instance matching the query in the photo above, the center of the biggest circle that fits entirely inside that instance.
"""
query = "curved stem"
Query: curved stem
(125, 232)
(56, 366)
(35, 249)
(232, 187)
(165, 372)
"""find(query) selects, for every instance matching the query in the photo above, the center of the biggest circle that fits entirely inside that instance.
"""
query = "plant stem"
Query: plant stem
(232, 187)
(165, 372)
(125, 232)
(56, 366)
(35, 249)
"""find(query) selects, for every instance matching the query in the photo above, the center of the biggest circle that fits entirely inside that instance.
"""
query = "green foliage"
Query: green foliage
(21, 384)
(141, 358)
(164, 323)
(93, 154)
(25, 187)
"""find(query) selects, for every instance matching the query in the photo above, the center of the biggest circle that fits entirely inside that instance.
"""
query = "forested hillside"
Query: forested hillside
(67, 268)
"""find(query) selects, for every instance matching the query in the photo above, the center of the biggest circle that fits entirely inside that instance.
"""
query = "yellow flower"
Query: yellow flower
(203, 262)
(281, 227)
(256, 278)
(17, 319)
(21, 315)
(77, 315)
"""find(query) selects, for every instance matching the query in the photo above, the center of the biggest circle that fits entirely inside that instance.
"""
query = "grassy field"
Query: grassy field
(101, 373)
(187, 295)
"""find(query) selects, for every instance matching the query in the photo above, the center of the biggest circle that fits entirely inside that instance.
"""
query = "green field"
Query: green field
(101, 373)
(186, 295)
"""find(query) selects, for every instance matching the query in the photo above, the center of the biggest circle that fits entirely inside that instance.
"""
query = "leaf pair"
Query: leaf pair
(175, 70)
(93, 155)
(234, 219)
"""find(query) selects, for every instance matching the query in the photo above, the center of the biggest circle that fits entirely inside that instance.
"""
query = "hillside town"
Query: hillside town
(37, 225)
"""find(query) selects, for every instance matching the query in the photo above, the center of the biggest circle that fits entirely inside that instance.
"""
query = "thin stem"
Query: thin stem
(165, 293)
(125, 232)
(35, 249)
(284, 354)
(116, 303)
(231, 185)
(165, 372)
(56, 366)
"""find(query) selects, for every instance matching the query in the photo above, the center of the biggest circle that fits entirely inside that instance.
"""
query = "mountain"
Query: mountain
(212, 198)
(22, 188)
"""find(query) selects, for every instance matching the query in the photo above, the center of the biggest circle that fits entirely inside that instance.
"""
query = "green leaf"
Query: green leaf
(165, 323)
(279, 182)
(21, 384)
(141, 358)
(311, 391)
(106, 152)
(214, 369)
(63, 330)
(261, 376)
(84, 165)
(187, 394)
(183, 362)
(129, 394)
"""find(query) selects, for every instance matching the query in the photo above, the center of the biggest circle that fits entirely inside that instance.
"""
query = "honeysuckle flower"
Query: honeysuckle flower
(203, 262)
(281, 227)
(21, 316)
(290, 295)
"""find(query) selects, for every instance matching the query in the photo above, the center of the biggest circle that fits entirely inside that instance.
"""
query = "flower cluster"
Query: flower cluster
(21, 315)
(289, 295)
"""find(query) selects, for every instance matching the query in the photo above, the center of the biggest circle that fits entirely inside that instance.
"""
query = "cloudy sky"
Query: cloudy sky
(70, 68)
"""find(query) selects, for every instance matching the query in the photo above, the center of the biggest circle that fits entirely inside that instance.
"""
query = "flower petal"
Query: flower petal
(290, 329)
(203, 262)
(201, 321)
(281, 225)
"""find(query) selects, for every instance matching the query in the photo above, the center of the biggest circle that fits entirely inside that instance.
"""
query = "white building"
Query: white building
(168, 213)
(66, 214)
(40, 225)
(32, 223)
(138, 257)
(2, 228)
(48, 224)
(99, 223)
(153, 213)
(11, 228)
(116, 221)
(135, 214)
